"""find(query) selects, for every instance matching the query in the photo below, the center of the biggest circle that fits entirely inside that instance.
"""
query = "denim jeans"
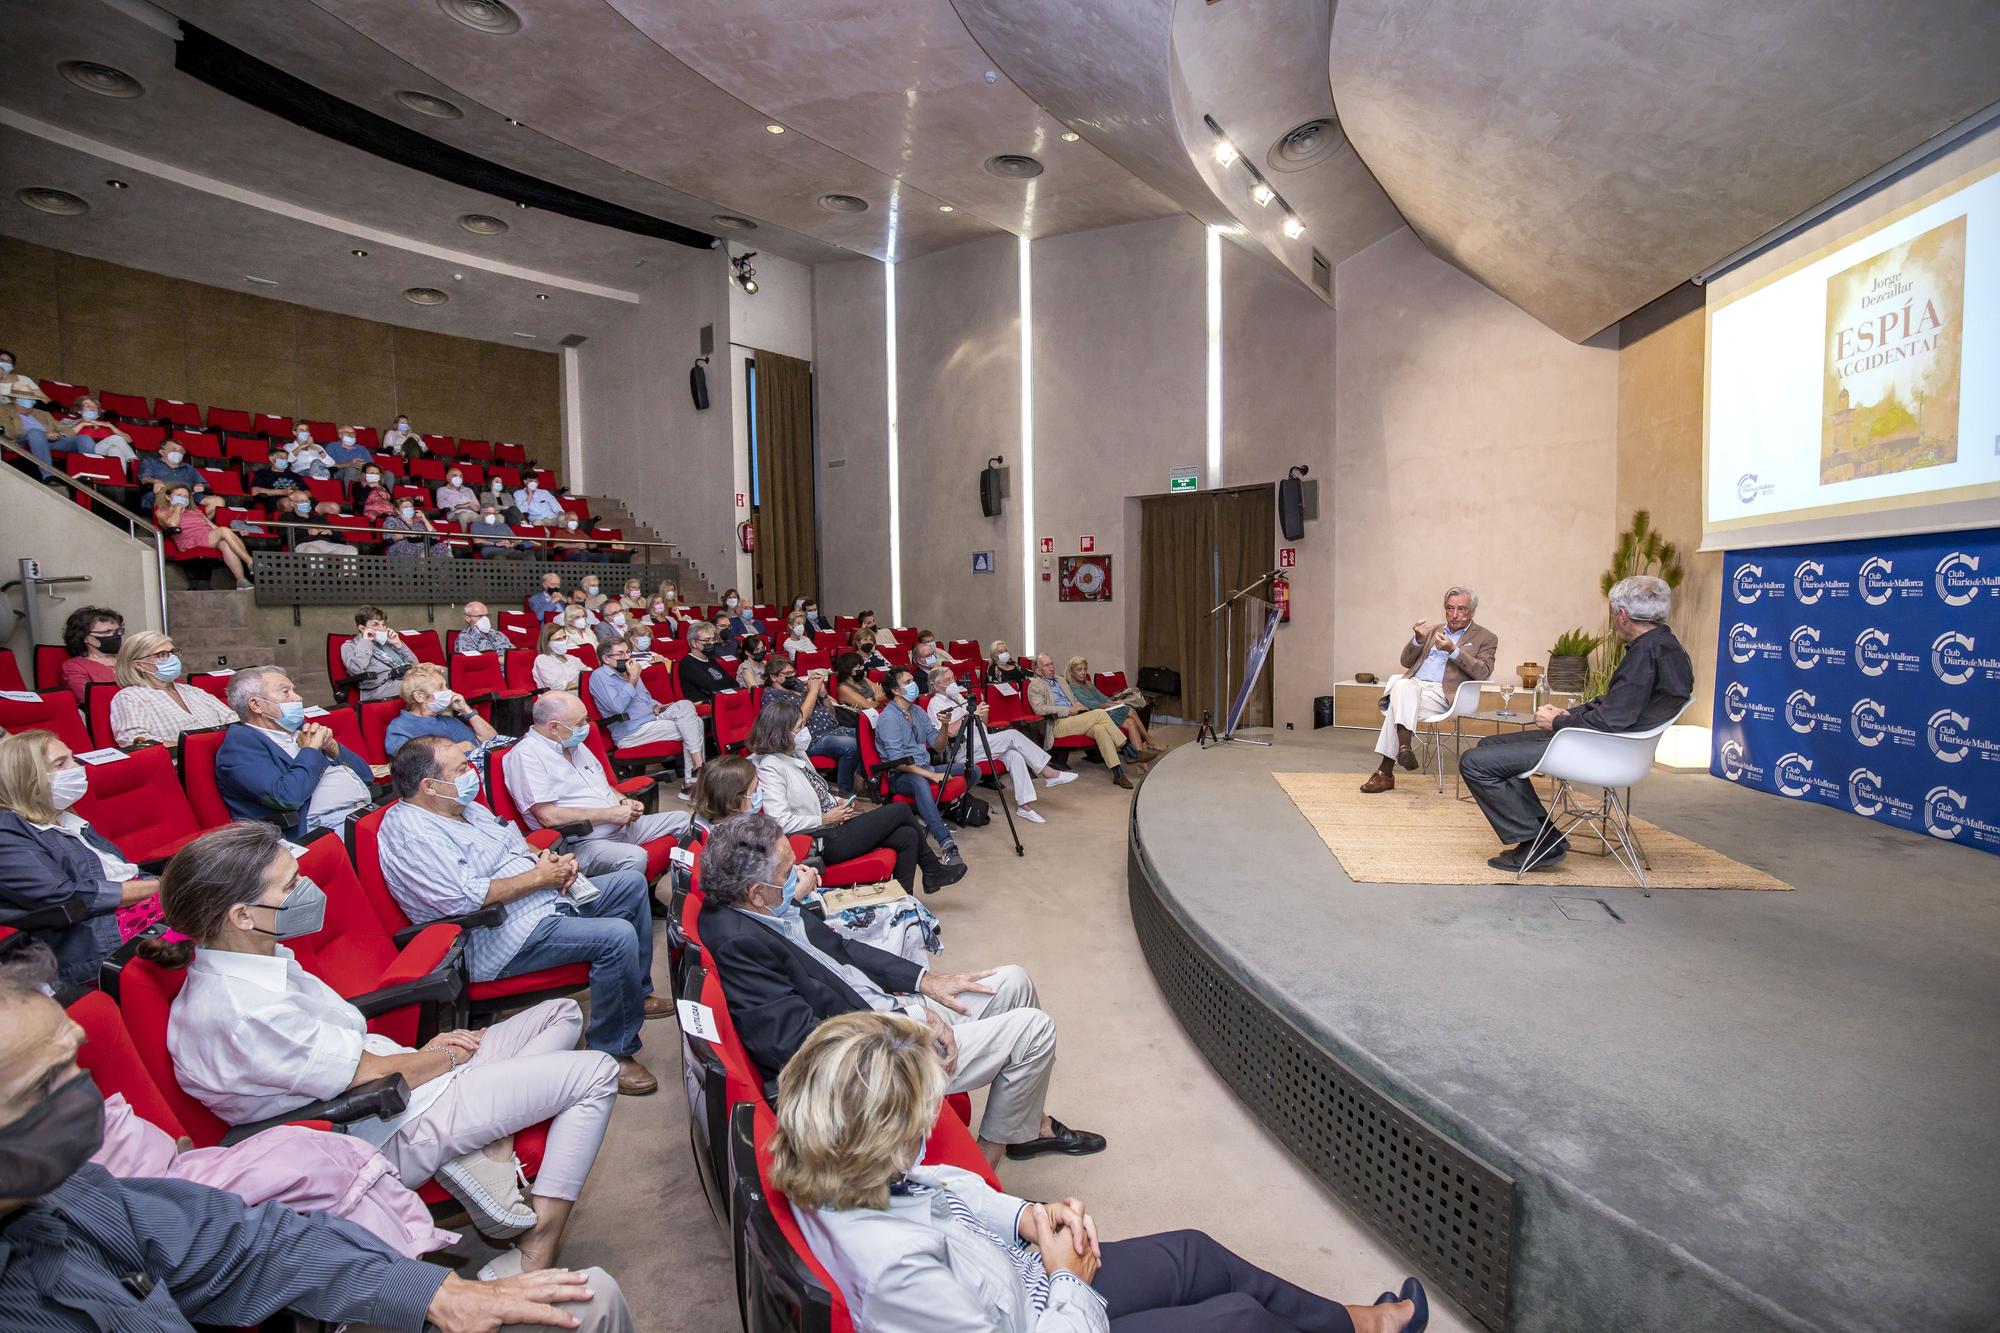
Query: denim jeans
(920, 790)
(844, 747)
(36, 441)
(615, 936)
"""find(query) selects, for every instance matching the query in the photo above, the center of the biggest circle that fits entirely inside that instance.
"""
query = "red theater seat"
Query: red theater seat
(234, 420)
(64, 395)
(196, 759)
(125, 406)
(51, 710)
(264, 423)
(177, 413)
(137, 803)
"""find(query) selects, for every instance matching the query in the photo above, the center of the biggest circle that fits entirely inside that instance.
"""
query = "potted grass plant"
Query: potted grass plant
(1569, 661)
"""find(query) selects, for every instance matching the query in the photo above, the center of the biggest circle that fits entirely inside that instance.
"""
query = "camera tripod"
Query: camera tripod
(974, 731)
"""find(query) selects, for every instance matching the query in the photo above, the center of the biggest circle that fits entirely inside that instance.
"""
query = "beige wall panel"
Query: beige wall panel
(94, 281)
(213, 388)
(850, 386)
(134, 357)
(330, 340)
(218, 304)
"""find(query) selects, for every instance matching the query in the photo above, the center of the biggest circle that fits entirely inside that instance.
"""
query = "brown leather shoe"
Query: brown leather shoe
(1118, 778)
(1379, 780)
(659, 1006)
(634, 1079)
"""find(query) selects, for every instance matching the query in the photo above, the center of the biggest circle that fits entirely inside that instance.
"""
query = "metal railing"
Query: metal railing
(134, 520)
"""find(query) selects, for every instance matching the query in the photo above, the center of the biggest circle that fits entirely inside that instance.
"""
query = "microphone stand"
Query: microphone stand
(1227, 606)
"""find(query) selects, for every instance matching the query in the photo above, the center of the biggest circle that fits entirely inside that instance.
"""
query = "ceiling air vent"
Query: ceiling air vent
(424, 296)
(48, 199)
(480, 224)
(489, 16)
(101, 79)
(428, 104)
(1322, 273)
(573, 340)
(733, 223)
(1013, 166)
(1305, 146)
(843, 203)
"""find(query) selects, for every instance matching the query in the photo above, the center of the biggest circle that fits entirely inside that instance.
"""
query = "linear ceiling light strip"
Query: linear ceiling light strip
(1027, 453)
(895, 463)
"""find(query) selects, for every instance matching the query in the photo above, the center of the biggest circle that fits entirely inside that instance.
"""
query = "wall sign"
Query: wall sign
(982, 562)
(1085, 578)
(1086, 543)
(1183, 479)
(1048, 545)
(1288, 557)
(742, 500)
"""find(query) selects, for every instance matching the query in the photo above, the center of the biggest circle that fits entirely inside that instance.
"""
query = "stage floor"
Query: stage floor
(1722, 1109)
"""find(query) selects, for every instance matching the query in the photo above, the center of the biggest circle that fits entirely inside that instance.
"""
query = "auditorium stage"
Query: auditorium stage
(1703, 1110)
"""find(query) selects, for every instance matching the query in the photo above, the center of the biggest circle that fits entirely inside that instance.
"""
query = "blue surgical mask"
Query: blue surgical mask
(280, 464)
(787, 905)
(24, 402)
(465, 790)
(90, 414)
(168, 668)
(304, 506)
(910, 690)
(641, 641)
(292, 716)
(577, 734)
(757, 802)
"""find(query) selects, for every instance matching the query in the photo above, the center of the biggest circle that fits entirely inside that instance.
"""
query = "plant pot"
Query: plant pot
(1568, 675)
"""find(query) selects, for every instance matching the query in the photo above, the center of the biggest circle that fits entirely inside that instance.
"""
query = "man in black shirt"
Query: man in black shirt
(275, 479)
(701, 678)
(1652, 684)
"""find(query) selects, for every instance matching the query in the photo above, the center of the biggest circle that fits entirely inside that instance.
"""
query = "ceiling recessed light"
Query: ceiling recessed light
(481, 224)
(493, 17)
(1013, 166)
(541, 296)
(519, 204)
(117, 184)
(1225, 152)
(48, 199)
(359, 254)
(458, 277)
(1304, 145)
(262, 282)
(429, 104)
(843, 203)
(1262, 194)
(424, 296)
(945, 208)
(1069, 136)
(104, 80)
(519, 334)
(1294, 228)
(733, 222)
(774, 129)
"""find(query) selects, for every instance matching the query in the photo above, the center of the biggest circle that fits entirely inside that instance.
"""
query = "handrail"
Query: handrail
(98, 497)
(405, 535)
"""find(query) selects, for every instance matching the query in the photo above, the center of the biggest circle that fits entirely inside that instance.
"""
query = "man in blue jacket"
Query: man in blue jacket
(277, 763)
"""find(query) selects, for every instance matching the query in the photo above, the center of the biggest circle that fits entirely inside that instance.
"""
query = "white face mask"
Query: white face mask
(484, 624)
(172, 457)
(531, 486)
(489, 518)
(379, 635)
(618, 621)
(730, 602)
(801, 739)
(440, 700)
(1003, 657)
(347, 439)
(455, 481)
(372, 478)
(571, 525)
(499, 486)
(67, 786)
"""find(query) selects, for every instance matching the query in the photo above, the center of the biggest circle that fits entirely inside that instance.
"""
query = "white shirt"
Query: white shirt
(553, 671)
(339, 793)
(538, 769)
(116, 868)
(801, 644)
(943, 699)
(252, 1037)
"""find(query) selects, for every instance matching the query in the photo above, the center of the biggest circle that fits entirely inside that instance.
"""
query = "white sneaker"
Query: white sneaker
(1057, 778)
(508, 1263)
(1029, 813)
(490, 1191)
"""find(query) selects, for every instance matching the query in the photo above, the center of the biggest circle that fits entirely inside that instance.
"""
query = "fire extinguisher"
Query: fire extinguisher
(746, 536)
(1281, 597)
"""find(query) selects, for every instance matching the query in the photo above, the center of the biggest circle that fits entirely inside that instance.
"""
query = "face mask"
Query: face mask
(179, 498)
(801, 739)
(302, 913)
(455, 481)
(589, 589)
(786, 904)
(563, 647)
(24, 402)
(172, 457)
(403, 426)
(47, 1145)
(441, 700)
(756, 807)
(489, 518)
(292, 715)
(927, 649)
(910, 690)
(484, 624)
(379, 635)
(532, 486)
(641, 642)
(730, 602)
(408, 512)
(577, 735)
(659, 608)
(466, 789)
(633, 594)
(372, 478)
(499, 486)
(304, 506)
(67, 786)
(618, 621)
(90, 414)
(1003, 657)
(280, 464)
(303, 436)
(347, 439)
(6, 365)
(576, 623)
(757, 654)
(571, 525)
(798, 629)
(168, 667)
(112, 642)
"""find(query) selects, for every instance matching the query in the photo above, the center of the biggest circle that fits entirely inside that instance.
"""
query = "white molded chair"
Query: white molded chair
(1611, 762)
(1463, 704)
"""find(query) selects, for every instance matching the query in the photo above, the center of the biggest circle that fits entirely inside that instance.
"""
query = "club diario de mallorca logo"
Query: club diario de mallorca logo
(1869, 722)
(1806, 652)
(1866, 797)
(1954, 660)
(1958, 579)
(1748, 584)
(1873, 655)
(1737, 704)
(1793, 774)
(1879, 582)
(1945, 817)
(1744, 645)
(1810, 583)
(1748, 488)
(1950, 737)
(1803, 716)
(1729, 759)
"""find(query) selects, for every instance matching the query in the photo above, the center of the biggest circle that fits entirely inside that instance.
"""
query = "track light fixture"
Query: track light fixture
(745, 276)
(1225, 152)
(1262, 194)
(1293, 228)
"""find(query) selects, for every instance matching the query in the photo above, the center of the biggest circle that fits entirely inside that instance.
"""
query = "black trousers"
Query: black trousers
(893, 826)
(1186, 1282)
(1492, 772)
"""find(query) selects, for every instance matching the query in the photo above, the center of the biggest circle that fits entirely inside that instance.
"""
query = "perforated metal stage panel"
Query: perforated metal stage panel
(286, 578)
(1440, 1205)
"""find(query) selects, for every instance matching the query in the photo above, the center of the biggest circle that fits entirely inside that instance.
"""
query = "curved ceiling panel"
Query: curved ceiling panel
(1582, 158)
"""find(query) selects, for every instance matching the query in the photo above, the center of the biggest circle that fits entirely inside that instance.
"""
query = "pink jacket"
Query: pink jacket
(308, 1170)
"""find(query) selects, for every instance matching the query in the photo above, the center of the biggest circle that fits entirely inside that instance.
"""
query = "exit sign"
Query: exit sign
(1183, 479)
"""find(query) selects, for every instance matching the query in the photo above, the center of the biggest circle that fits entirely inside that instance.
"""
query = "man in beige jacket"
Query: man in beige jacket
(1445, 656)
(1052, 699)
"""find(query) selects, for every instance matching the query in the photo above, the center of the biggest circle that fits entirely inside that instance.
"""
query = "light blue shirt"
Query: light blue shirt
(438, 866)
(537, 505)
(900, 738)
(1432, 667)
(613, 694)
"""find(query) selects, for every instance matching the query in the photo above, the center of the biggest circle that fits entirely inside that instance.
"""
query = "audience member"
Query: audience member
(1653, 682)
(640, 719)
(308, 458)
(423, 537)
(634, 595)
(13, 380)
(829, 737)
(550, 600)
(913, 754)
(400, 439)
(155, 705)
(1083, 688)
(51, 857)
(23, 421)
(750, 671)
(1050, 697)
(193, 525)
(1445, 656)
(865, 648)
(571, 543)
(798, 639)
(275, 480)
(724, 626)
(855, 688)
(253, 1035)
(612, 622)
(794, 794)
(275, 763)
(205, 1255)
(555, 779)
(785, 972)
(1003, 667)
(926, 656)
(169, 468)
(94, 435)
(373, 499)
(431, 708)
(727, 788)
(815, 623)
(640, 637)
(376, 656)
(701, 676)
(555, 669)
(918, 1247)
(479, 634)
(502, 499)
(318, 540)
(875, 633)
(347, 457)
(535, 504)
(1023, 759)
(444, 854)
(742, 624)
(92, 635)
(458, 502)
(592, 593)
(496, 539)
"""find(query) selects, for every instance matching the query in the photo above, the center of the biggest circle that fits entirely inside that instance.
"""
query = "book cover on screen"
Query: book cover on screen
(1894, 332)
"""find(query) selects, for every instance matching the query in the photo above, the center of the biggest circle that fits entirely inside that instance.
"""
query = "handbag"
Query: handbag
(1159, 680)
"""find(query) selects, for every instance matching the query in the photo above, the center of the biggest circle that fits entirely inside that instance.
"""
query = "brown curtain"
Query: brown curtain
(1194, 550)
(786, 563)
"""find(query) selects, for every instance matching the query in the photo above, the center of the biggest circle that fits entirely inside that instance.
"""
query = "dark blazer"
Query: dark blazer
(777, 992)
(258, 780)
(43, 868)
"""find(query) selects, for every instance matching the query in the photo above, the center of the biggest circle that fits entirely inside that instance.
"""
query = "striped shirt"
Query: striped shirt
(1027, 1262)
(141, 712)
(440, 866)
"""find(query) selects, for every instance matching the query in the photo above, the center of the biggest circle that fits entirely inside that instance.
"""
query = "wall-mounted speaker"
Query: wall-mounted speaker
(698, 386)
(1291, 505)
(992, 488)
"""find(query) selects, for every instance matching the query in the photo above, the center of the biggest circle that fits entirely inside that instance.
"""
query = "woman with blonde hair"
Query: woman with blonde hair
(917, 1248)
(432, 708)
(1124, 716)
(555, 669)
(1003, 667)
(155, 706)
(50, 856)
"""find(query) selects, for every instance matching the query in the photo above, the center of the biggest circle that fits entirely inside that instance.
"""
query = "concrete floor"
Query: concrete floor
(1183, 1153)
(1728, 1109)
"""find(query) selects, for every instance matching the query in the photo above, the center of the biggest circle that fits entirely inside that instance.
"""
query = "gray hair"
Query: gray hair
(549, 705)
(943, 672)
(1460, 590)
(251, 683)
(27, 969)
(742, 850)
(1643, 597)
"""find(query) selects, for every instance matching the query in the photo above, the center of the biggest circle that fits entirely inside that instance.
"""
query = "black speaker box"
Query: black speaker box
(989, 492)
(1291, 509)
(698, 386)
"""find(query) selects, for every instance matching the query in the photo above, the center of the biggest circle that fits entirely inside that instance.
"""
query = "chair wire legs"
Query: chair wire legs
(1606, 819)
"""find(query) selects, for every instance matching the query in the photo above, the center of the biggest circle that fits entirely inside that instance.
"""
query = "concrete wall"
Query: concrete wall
(850, 389)
(1476, 446)
(53, 529)
(643, 439)
(90, 322)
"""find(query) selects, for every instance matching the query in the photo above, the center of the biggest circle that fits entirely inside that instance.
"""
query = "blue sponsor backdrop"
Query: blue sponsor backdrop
(1866, 675)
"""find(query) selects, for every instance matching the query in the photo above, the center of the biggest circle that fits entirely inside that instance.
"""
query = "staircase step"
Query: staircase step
(201, 609)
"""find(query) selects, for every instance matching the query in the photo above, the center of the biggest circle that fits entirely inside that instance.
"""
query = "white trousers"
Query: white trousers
(679, 722)
(1007, 1046)
(1022, 757)
(610, 848)
(1410, 701)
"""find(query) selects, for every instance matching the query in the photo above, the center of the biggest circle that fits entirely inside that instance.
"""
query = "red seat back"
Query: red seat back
(145, 999)
(478, 673)
(266, 424)
(112, 1060)
(51, 710)
(364, 842)
(97, 697)
(480, 449)
(232, 419)
(196, 758)
(1109, 683)
(353, 950)
(49, 658)
(179, 413)
(250, 452)
(127, 406)
(510, 453)
(137, 802)
(10, 670)
(375, 720)
(63, 395)
(735, 711)
(426, 644)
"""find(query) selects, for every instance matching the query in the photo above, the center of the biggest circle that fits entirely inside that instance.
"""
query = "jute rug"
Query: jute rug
(1412, 835)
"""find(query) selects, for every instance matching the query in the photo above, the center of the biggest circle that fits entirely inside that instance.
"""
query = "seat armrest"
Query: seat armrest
(386, 1096)
(635, 786)
(440, 987)
(490, 915)
(576, 828)
(56, 916)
